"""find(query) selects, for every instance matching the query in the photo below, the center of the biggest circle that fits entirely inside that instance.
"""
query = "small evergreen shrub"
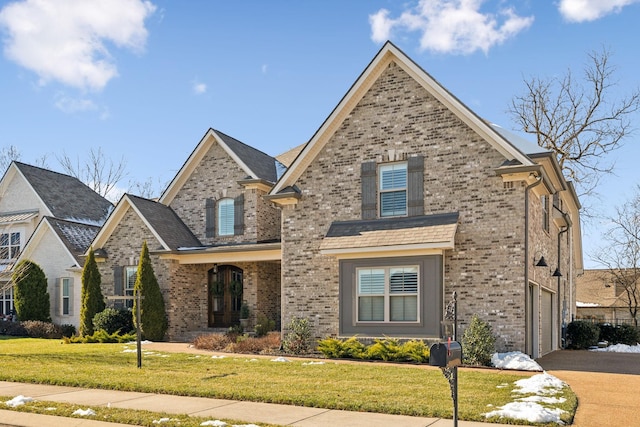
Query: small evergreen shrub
(334, 348)
(607, 333)
(582, 334)
(416, 351)
(39, 329)
(112, 320)
(387, 349)
(478, 343)
(31, 298)
(298, 339)
(152, 311)
(102, 337)
(90, 294)
(626, 334)
(68, 330)
(264, 325)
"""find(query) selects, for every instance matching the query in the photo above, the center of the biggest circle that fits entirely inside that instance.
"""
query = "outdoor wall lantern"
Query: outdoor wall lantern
(541, 262)
(557, 273)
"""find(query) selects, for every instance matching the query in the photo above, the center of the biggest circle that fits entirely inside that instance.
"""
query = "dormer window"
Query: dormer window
(393, 189)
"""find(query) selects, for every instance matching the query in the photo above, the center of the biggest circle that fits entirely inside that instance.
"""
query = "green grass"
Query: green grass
(363, 386)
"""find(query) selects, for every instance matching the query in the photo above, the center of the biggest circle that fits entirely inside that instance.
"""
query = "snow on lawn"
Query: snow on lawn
(620, 348)
(514, 360)
(529, 408)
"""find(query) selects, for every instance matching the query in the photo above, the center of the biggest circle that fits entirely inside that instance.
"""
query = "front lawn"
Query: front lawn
(362, 386)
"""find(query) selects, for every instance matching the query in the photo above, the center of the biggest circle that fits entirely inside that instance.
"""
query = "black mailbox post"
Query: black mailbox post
(446, 354)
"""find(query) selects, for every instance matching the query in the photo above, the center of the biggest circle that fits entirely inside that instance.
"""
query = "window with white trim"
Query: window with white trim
(9, 245)
(226, 215)
(387, 294)
(130, 274)
(65, 296)
(6, 301)
(393, 189)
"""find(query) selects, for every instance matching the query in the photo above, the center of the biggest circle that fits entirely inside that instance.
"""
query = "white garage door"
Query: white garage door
(546, 312)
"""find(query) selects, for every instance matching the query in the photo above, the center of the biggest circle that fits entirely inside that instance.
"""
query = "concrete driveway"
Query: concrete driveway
(606, 384)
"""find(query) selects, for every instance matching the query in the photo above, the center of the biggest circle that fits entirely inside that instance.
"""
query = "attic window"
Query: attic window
(393, 189)
(225, 217)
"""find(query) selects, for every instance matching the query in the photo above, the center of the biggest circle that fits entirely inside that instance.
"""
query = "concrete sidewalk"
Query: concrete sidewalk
(249, 412)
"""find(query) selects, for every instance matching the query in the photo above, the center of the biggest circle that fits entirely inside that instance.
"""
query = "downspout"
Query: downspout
(526, 260)
(562, 311)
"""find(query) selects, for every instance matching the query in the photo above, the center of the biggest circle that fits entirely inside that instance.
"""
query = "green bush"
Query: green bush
(607, 332)
(31, 298)
(112, 320)
(478, 343)
(264, 325)
(152, 314)
(582, 334)
(382, 349)
(12, 329)
(90, 295)
(387, 349)
(68, 330)
(416, 351)
(101, 336)
(298, 339)
(626, 334)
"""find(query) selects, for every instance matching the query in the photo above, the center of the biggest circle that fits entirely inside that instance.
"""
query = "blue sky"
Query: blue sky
(144, 80)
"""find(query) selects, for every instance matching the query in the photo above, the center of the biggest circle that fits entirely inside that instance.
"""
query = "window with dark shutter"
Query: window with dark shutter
(118, 281)
(415, 184)
(369, 196)
(238, 226)
(210, 220)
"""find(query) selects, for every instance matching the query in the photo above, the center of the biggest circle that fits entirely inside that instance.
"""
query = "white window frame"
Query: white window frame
(400, 187)
(226, 217)
(387, 294)
(12, 249)
(6, 301)
(68, 281)
(130, 275)
(546, 208)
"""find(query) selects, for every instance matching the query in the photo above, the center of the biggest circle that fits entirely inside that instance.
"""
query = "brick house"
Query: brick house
(51, 219)
(601, 297)
(401, 197)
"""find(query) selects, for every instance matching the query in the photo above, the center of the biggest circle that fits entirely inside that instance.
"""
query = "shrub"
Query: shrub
(582, 334)
(31, 298)
(68, 330)
(268, 344)
(387, 349)
(39, 329)
(625, 334)
(264, 325)
(416, 351)
(298, 339)
(101, 337)
(91, 294)
(607, 332)
(216, 342)
(13, 329)
(152, 314)
(478, 343)
(111, 320)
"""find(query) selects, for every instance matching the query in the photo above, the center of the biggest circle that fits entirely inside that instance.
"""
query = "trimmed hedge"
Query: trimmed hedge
(388, 349)
(582, 334)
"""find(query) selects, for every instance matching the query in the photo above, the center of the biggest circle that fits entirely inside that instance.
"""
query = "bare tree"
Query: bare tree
(98, 172)
(620, 254)
(578, 122)
(147, 189)
(8, 155)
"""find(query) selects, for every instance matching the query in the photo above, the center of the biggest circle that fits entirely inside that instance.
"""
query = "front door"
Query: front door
(225, 296)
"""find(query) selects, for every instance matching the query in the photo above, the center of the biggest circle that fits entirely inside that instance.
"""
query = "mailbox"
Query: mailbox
(446, 354)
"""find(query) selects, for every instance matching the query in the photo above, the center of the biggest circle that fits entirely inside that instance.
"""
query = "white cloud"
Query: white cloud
(264, 68)
(199, 88)
(590, 10)
(452, 26)
(74, 105)
(64, 40)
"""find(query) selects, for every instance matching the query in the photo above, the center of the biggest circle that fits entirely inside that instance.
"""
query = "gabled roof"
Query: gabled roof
(255, 163)
(66, 197)
(160, 219)
(388, 54)
(75, 237)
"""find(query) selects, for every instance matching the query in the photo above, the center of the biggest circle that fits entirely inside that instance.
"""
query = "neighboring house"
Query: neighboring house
(50, 219)
(401, 197)
(601, 298)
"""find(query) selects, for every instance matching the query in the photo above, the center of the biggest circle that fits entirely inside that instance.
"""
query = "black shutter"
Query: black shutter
(210, 217)
(238, 215)
(118, 280)
(415, 186)
(369, 190)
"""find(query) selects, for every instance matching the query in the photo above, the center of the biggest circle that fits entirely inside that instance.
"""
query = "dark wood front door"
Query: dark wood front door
(225, 296)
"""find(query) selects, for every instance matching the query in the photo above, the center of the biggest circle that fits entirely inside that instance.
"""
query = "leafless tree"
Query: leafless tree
(149, 189)
(98, 172)
(620, 254)
(8, 155)
(580, 123)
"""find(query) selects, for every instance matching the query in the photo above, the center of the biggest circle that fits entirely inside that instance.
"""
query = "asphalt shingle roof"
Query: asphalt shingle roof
(263, 165)
(65, 196)
(166, 223)
(76, 237)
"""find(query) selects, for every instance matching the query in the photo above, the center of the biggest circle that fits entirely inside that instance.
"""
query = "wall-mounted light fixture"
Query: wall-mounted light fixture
(557, 273)
(541, 262)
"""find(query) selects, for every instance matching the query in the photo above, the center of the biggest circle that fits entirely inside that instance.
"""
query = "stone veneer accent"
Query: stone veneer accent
(395, 119)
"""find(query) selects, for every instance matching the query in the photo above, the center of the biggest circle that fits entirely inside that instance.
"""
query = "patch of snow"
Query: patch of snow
(162, 421)
(280, 359)
(587, 304)
(18, 400)
(218, 357)
(216, 423)
(620, 348)
(514, 360)
(312, 363)
(540, 384)
(84, 412)
(530, 411)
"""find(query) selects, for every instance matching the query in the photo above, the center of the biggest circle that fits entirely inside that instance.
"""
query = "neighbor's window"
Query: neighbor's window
(65, 295)
(225, 217)
(130, 274)
(387, 294)
(393, 189)
(9, 245)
